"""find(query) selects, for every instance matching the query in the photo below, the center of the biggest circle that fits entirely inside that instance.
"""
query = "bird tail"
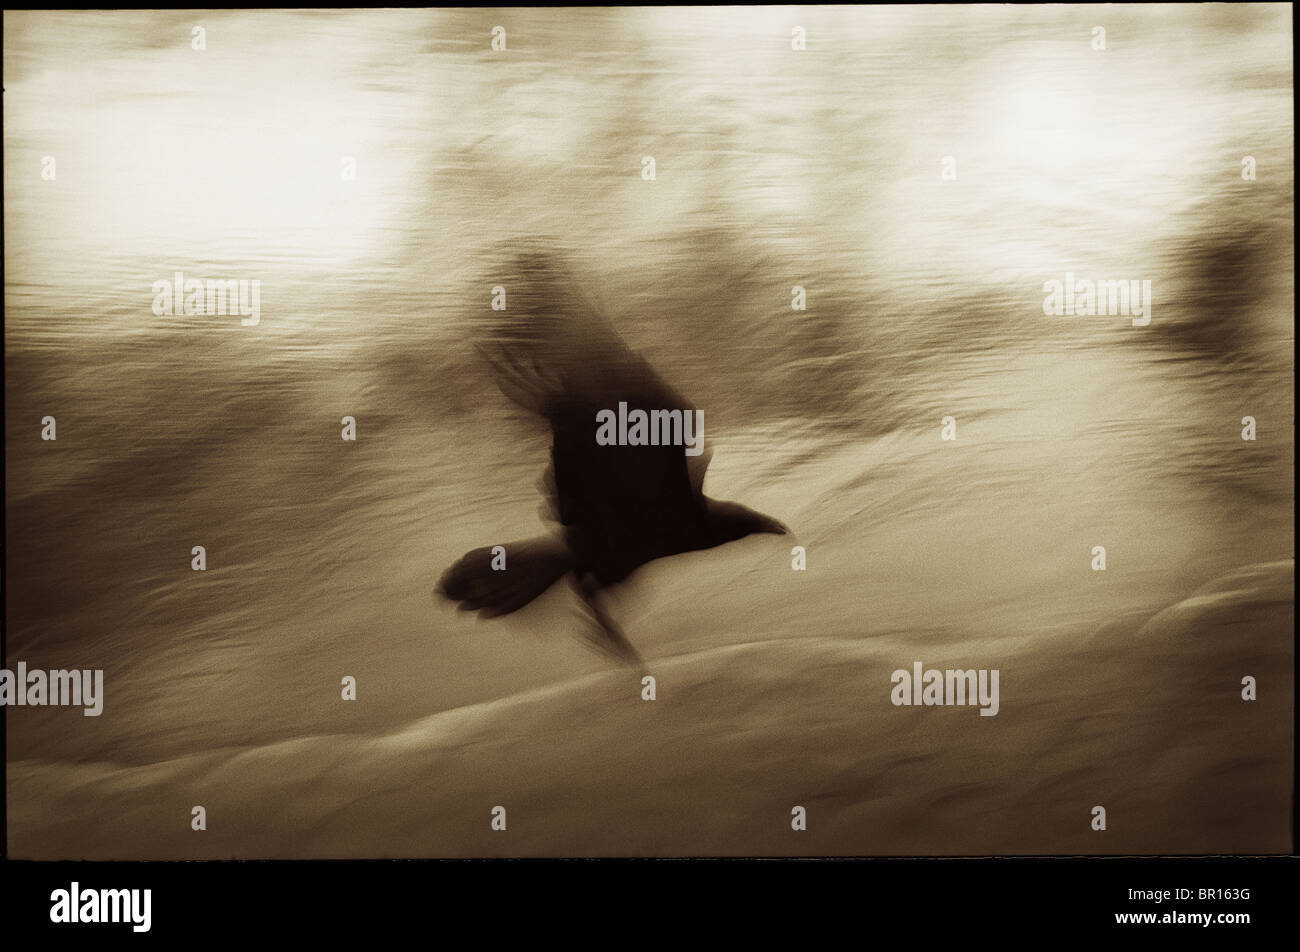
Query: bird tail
(497, 580)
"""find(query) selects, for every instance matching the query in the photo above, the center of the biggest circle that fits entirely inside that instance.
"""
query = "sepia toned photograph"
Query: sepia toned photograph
(647, 432)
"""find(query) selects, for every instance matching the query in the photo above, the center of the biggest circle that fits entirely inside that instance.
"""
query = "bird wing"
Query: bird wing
(554, 353)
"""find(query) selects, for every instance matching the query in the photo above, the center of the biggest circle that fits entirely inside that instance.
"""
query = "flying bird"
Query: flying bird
(617, 506)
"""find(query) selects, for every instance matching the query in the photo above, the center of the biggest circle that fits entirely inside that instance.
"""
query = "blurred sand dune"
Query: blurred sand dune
(1157, 733)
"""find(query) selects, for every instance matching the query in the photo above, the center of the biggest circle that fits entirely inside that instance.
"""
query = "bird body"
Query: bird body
(619, 505)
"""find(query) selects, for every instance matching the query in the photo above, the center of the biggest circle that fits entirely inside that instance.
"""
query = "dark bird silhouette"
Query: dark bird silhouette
(617, 506)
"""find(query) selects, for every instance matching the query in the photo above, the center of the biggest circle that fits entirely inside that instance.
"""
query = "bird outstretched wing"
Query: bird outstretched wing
(554, 353)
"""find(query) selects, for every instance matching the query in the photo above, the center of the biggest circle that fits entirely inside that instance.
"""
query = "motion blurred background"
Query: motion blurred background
(774, 168)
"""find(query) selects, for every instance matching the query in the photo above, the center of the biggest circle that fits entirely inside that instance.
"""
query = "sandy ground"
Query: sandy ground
(1156, 733)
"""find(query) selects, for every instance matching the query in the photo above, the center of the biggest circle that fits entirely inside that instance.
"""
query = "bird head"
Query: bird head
(728, 521)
